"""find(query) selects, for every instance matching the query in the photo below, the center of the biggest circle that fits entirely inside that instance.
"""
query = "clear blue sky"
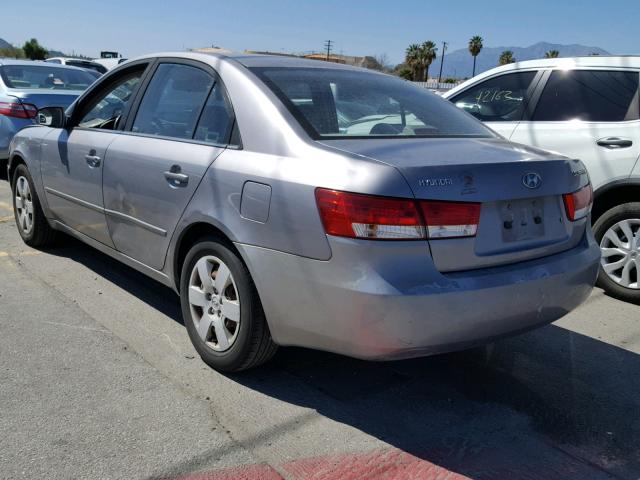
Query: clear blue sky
(357, 27)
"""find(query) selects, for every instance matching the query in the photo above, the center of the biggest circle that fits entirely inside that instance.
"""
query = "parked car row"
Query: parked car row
(79, 62)
(26, 86)
(296, 202)
(586, 108)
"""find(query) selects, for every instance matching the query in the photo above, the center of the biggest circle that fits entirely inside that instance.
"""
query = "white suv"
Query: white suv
(586, 108)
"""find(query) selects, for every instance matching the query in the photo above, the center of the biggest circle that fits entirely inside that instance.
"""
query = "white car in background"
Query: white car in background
(586, 108)
(109, 63)
(79, 62)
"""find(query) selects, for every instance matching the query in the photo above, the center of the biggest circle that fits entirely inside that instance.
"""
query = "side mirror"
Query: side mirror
(51, 117)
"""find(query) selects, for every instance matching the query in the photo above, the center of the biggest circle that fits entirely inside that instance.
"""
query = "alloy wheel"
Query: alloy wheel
(620, 247)
(214, 303)
(24, 205)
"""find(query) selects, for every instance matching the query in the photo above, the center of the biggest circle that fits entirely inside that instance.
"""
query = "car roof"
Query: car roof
(565, 63)
(256, 60)
(74, 59)
(9, 61)
(629, 61)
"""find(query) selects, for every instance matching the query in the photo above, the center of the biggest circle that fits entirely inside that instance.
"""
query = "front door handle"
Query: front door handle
(175, 177)
(92, 160)
(614, 142)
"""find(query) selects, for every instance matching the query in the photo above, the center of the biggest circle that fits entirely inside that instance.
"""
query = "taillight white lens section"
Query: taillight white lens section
(578, 204)
(365, 216)
(17, 109)
(450, 219)
(356, 215)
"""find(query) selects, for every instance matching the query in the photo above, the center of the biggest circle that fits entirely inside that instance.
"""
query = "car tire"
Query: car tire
(618, 250)
(210, 303)
(30, 220)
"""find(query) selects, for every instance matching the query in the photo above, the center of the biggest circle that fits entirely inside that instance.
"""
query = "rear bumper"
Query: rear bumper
(378, 300)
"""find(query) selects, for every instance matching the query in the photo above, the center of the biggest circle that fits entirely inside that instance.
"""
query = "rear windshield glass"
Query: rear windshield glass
(45, 76)
(334, 103)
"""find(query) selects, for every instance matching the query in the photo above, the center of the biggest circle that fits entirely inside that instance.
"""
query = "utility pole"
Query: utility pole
(444, 48)
(327, 45)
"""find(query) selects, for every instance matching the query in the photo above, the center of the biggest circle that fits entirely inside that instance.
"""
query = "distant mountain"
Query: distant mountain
(459, 63)
(5, 44)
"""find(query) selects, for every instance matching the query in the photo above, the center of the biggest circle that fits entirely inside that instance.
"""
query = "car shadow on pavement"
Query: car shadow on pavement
(154, 294)
(549, 404)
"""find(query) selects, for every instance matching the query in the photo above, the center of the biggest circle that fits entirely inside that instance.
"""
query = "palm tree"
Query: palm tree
(413, 60)
(428, 51)
(475, 45)
(506, 57)
(552, 54)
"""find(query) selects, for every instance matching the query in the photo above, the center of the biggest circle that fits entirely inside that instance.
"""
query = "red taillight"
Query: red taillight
(365, 216)
(578, 204)
(356, 215)
(18, 110)
(450, 219)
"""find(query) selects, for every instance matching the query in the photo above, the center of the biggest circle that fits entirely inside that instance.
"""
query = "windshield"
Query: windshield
(45, 76)
(333, 103)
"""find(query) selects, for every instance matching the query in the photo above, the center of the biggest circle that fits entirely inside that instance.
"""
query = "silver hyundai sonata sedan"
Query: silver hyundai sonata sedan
(298, 202)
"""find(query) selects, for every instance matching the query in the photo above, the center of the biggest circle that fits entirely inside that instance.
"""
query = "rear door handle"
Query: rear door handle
(92, 160)
(175, 177)
(614, 142)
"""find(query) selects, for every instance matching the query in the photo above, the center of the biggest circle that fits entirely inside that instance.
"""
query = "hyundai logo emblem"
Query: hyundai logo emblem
(531, 180)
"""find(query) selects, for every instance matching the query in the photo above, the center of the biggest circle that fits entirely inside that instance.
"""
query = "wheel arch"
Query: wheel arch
(188, 237)
(615, 193)
(13, 162)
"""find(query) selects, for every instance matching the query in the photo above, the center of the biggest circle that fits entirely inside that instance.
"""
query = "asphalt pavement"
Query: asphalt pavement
(98, 380)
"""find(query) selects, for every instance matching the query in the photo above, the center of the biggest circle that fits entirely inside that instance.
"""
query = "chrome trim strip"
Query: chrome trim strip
(127, 218)
(121, 216)
(74, 200)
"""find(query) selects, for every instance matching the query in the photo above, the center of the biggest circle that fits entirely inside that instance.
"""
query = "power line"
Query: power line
(328, 46)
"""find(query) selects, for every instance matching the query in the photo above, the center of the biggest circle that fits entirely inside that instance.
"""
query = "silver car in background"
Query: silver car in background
(296, 202)
(26, 86)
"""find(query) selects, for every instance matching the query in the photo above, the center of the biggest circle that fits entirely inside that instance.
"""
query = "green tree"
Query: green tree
(428, 53)
(475, 45)
(419, 58)
(506, 57)
(11, 52)
(403, 71)
(413, 61)
(34, 51)
(552, 54)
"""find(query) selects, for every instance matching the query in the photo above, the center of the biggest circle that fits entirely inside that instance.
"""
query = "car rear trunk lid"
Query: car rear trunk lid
(519, 188)
(45, 98)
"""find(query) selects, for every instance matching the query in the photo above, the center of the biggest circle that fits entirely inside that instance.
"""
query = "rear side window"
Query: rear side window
(589, 95)
(499, 99)
(173, 101)
(215, 122)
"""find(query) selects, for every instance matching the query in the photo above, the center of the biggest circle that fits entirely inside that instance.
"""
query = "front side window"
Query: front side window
(172, 104)
(499, 99)
(336, 103)
(589, 95)
(105, 111)
(41, 76)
